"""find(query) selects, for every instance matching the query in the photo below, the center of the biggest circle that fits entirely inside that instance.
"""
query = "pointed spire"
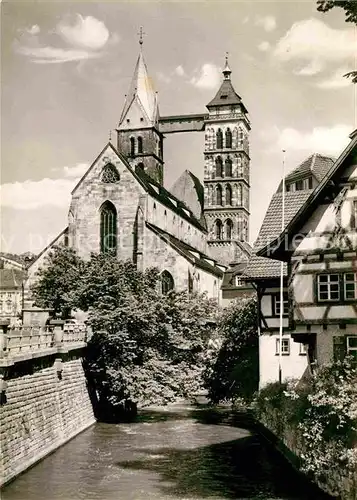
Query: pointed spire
(227, 70)
(142, 92)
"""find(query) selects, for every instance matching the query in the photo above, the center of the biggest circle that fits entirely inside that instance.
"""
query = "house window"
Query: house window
(238, 281)
(285, 346)
(140, 144)
(167, 282)
(277, 305)
(310, 182)
(108, 228)
(350, 286)
(352, 347)
(219, 139)
(328, 287)
(302, 349)
(299, 185)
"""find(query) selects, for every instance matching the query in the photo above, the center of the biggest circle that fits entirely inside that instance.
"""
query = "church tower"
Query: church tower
(226, 174)
(139, 138)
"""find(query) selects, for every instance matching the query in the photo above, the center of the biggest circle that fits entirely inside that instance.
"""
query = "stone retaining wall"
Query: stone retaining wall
(46, 403)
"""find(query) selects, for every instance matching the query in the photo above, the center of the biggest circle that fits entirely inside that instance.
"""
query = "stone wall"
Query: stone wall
(44, 408)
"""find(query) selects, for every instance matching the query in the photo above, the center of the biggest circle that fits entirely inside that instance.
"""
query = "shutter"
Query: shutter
(339, 348)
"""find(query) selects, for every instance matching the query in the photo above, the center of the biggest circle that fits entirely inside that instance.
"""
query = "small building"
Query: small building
(11, 293)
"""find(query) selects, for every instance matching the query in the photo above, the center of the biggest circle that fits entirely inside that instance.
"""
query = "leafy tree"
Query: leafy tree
(350, 8)
(232, 371)
(58, 279)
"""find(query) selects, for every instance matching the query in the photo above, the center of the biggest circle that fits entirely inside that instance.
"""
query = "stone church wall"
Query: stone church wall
(84, 216)
(160, 254)
(42, 412)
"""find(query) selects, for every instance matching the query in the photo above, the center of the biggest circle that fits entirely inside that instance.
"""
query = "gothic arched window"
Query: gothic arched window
(132, 146)
(167, 282)
(110, 174)
(219, 195)
(108, 228)
(219, 139)
(228, 229)
(239, 195)
(228, 195)
(218, 229)
(219, 167)
(228, 167)
(140, 144)
(228, 138)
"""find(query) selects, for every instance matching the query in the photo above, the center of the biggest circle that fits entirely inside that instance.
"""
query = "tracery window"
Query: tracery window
(140, 144)
(167, 282)
(228, 138)
(228, 167)
(219, 195)
(110, 174)
(219, 139)
(108, 228)
(219, 167)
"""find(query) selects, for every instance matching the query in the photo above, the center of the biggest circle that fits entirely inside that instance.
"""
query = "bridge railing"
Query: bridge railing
(25, 341)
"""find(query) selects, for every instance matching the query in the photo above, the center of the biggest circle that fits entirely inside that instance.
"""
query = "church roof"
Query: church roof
(197, 258)
(142, 90)
(189, 189)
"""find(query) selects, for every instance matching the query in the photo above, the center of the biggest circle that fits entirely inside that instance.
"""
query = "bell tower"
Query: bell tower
(139, 138)
(226, 174)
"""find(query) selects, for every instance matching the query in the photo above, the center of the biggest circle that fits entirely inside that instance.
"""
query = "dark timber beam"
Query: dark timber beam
(182, 123)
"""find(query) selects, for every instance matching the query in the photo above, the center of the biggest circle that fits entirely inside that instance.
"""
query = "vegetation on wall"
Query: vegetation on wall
(232, 369)
(323, 415)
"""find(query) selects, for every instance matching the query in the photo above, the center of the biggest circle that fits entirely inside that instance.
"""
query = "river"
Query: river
(180, 452)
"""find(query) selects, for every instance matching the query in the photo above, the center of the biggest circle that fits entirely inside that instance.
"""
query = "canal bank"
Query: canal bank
(178, 452)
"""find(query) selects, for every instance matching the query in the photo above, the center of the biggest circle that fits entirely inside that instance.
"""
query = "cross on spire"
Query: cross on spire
(141, 34)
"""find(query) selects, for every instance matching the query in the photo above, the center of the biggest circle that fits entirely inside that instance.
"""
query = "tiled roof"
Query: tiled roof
(168, 199)
(261, 267)
(14, 257)
(188, 188)
(226, 96)
(271, 227)
(192, 254)
(11, 278)
(315, 164)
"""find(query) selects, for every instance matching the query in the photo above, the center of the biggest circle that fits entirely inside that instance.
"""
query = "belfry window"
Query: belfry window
(218, 229)
(219, 167)
(167, 282)
(228, 138)
(228, 195)
(110, 174)
(218, 195)
(219, 139)
(228, 167)
(108, 228)
(228, 229)
(132, 146)
(140, 144)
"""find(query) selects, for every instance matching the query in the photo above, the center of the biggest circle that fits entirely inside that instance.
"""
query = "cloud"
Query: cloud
(86, 37)
(87, 32)
(268, 23)
(335, 81)
(29, 195)
(315, 42)
(264, 46)
(310, 69)
(328, 140)
(208, 77)
(162, 77)
(179, 71)
(47, 55)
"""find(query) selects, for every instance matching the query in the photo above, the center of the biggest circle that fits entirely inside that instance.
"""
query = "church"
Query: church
(193, 232)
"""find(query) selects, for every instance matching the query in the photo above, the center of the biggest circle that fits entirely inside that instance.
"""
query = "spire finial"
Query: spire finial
(110, 135)
(141, 34)
(227, 70)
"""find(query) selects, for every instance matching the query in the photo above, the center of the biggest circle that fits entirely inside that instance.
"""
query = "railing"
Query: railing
(25, 341)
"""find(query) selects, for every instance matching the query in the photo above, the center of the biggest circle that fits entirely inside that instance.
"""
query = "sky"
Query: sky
(66, 67)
